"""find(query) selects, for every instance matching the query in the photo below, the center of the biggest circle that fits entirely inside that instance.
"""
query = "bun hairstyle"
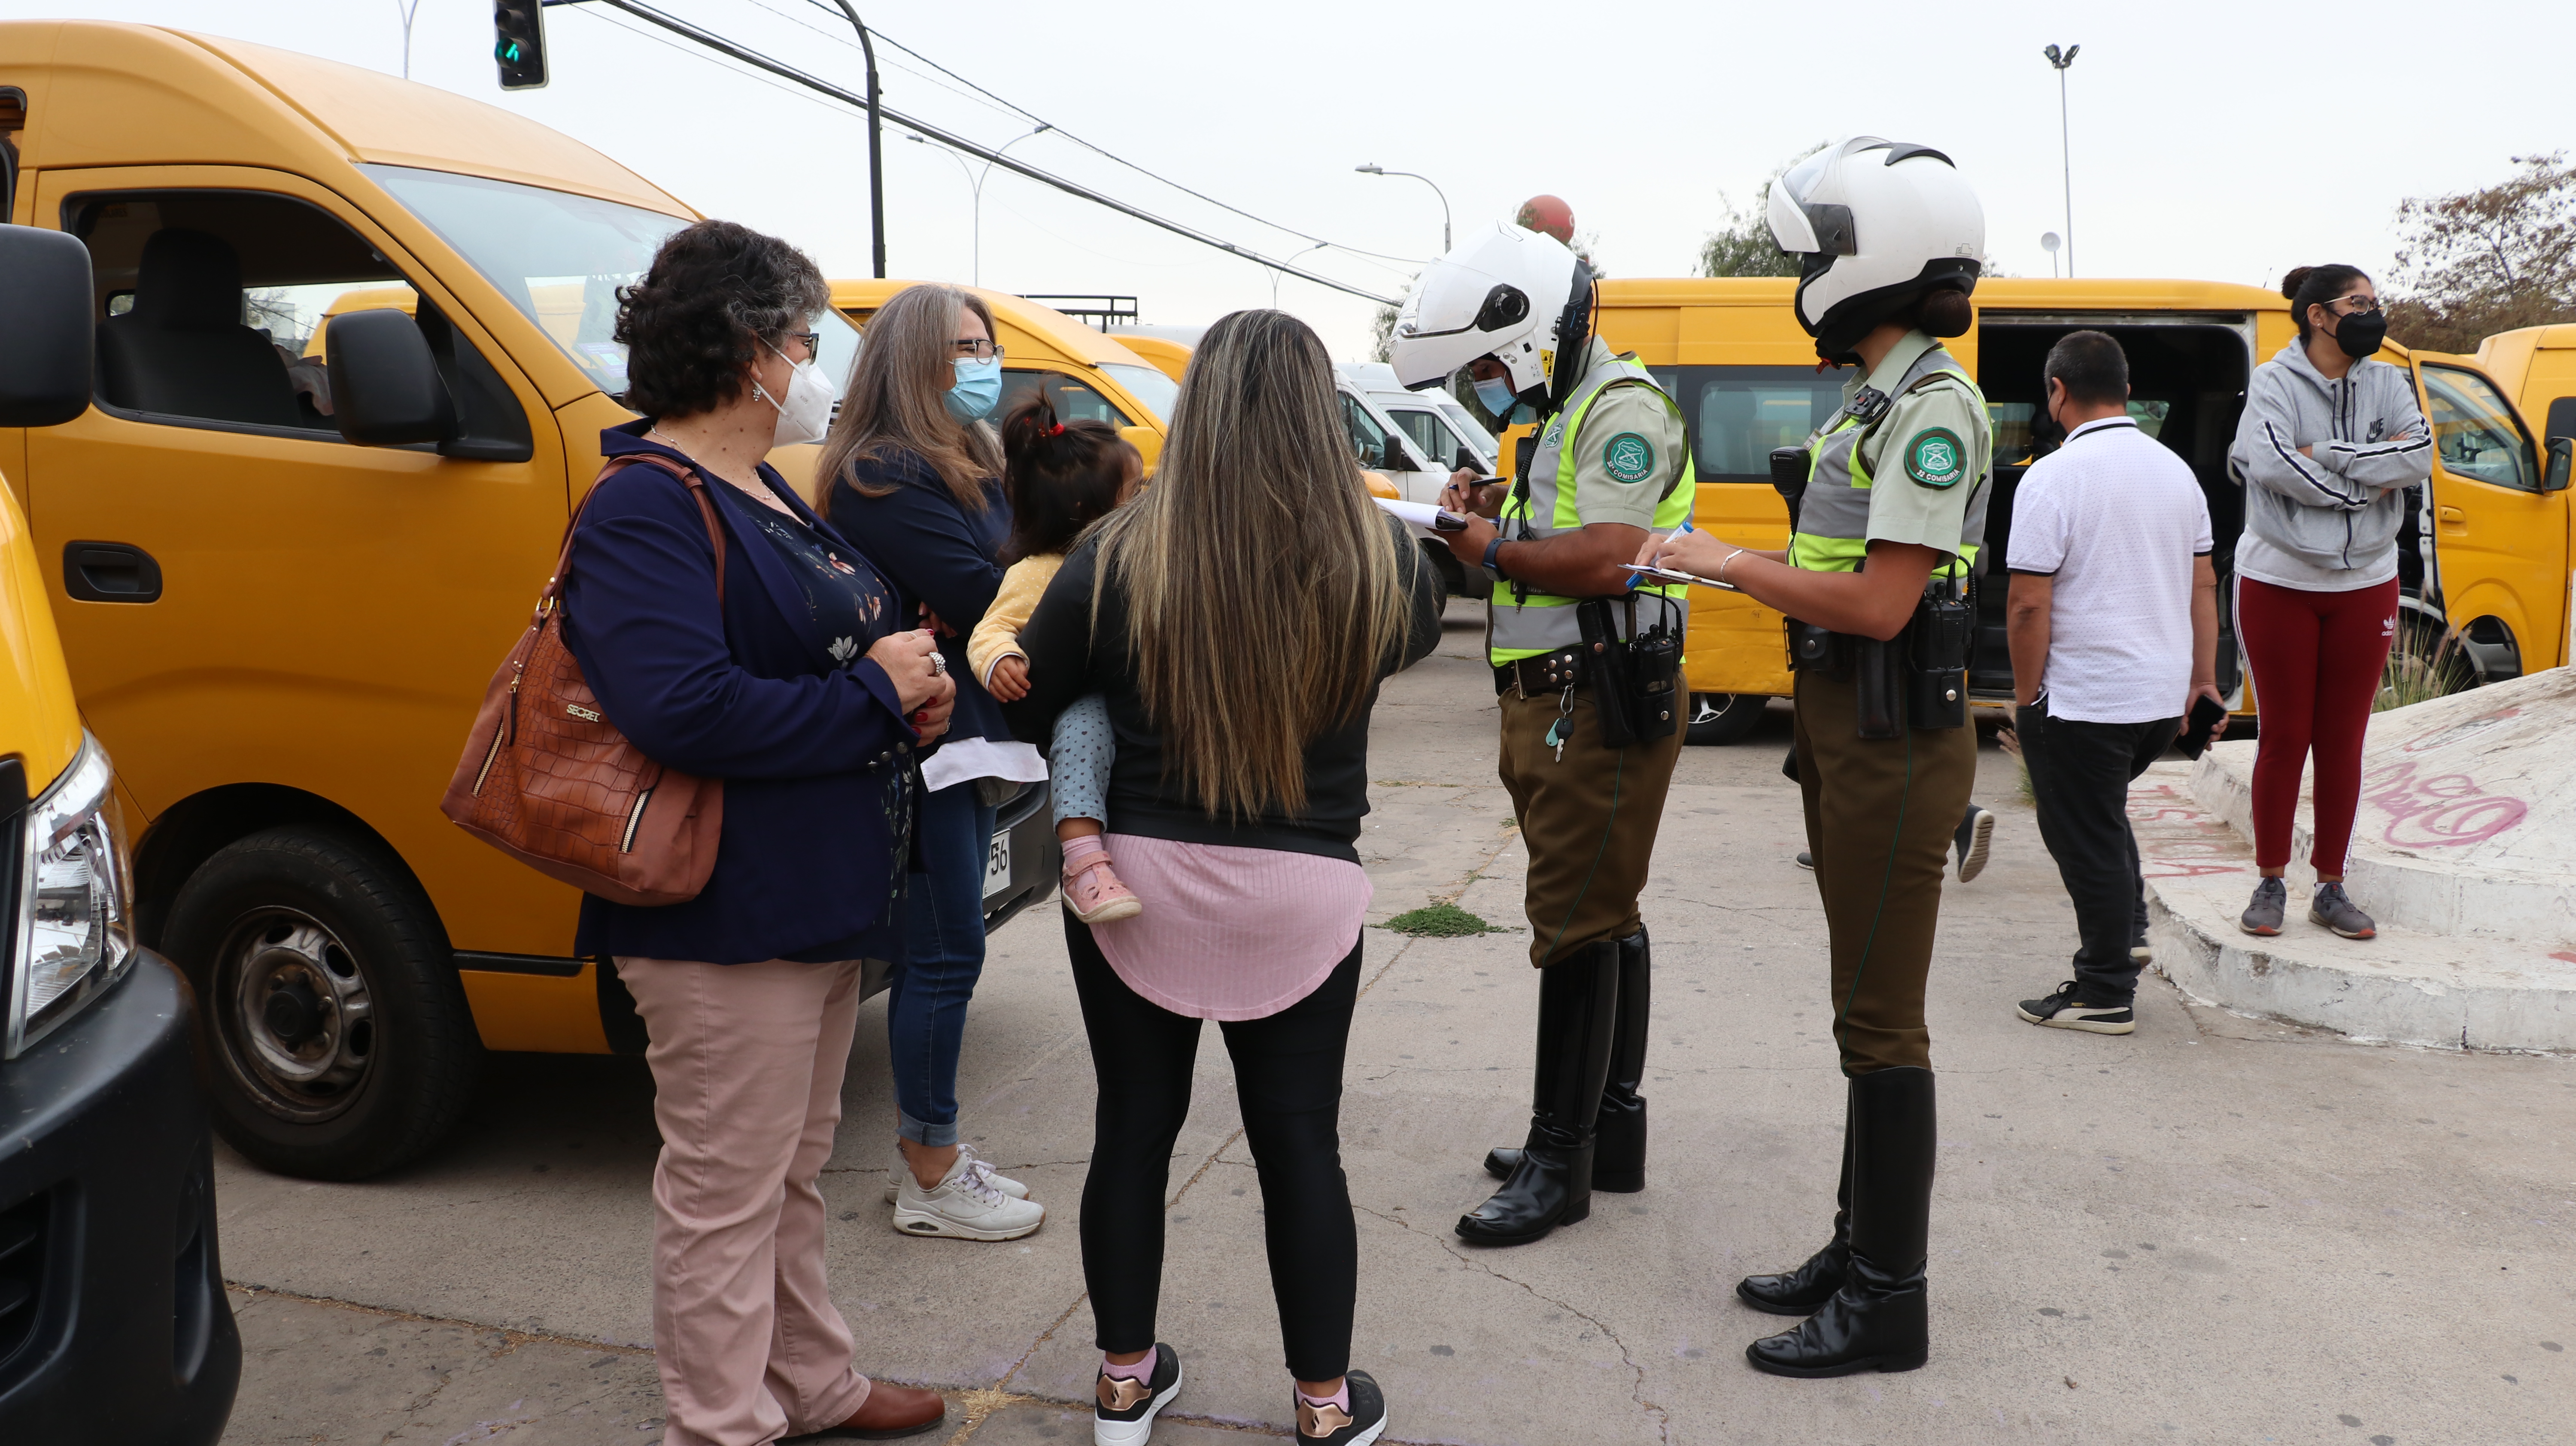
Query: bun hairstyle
(1060, 477)
(1945, 312)
(2308, 286)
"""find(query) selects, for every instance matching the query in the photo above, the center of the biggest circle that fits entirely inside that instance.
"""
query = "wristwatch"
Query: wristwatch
(1494, 560)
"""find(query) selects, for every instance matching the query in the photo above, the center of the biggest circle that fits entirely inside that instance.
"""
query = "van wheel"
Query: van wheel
(332, 1031)
(1724, 717)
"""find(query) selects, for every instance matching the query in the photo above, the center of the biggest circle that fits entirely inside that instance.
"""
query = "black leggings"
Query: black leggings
(1288, 1082)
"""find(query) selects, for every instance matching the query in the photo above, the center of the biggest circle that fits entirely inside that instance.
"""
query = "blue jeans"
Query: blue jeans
(943, 955)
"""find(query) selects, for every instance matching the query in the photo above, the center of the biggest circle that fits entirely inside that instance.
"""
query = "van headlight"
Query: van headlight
(74, 924)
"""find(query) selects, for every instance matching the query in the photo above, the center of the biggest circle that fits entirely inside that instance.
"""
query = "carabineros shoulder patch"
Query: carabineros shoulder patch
(1935, 458)
(1628, 457)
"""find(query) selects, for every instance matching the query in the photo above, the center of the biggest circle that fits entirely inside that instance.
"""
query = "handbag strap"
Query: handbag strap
(697, 489)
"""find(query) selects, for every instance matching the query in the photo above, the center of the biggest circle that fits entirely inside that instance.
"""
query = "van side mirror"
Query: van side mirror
(2562, 455)
(385, 386)
(45, 304)
(1391, 458)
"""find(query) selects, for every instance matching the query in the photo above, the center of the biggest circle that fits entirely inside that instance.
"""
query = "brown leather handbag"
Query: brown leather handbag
(548, 780)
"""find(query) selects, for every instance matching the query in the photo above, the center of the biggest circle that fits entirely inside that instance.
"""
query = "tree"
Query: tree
(2479, 262)
(1742, 245)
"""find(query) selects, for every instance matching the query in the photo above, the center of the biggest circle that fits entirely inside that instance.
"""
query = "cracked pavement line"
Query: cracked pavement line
(1636, 1391)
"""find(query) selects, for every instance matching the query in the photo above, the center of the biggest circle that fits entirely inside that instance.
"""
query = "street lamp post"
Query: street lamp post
(2065, 150)
(876, 139)
(975, 182)
(1274, 273)
(1374, 169)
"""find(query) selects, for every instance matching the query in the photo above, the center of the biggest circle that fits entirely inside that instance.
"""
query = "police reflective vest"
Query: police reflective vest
(1833, 513)
(1523, 623)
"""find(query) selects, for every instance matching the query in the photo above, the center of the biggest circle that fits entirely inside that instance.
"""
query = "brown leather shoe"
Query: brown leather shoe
(889, 1413)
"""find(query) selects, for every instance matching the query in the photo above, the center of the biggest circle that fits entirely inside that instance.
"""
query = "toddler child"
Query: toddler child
(1060, 478)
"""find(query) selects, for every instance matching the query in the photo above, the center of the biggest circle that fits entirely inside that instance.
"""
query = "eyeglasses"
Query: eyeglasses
(813, 341)
(2360, 305)
(979, 349)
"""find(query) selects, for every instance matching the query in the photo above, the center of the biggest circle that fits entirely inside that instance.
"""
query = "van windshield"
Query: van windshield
(560, 259)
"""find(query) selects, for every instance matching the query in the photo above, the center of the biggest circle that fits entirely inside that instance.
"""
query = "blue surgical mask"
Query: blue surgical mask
(978, 389)
(1498, 397)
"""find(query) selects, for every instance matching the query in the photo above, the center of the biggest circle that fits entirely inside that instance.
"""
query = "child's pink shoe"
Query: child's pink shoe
(1096, 894)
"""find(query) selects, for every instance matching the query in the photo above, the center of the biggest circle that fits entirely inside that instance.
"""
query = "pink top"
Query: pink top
(1227, 932)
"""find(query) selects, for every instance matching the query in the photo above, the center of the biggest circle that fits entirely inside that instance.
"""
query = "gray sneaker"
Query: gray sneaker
(2263, 916)
(2335, 909)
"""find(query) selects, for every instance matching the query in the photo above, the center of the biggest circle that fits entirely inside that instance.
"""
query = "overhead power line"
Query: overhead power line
(754, 58)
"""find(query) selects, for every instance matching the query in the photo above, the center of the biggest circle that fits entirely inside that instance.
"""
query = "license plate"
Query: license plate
(997, 865)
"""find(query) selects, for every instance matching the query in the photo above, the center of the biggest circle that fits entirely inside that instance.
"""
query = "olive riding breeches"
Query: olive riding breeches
(1588, 816)
(1880, 814)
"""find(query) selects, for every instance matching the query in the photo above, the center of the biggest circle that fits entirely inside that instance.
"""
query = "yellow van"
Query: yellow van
(2503, 569)
(1087, 374)
(280, 615)
(1732, 354)
(1169, 356)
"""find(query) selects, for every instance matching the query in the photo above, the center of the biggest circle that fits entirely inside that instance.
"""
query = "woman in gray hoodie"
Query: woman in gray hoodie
(2328, 445)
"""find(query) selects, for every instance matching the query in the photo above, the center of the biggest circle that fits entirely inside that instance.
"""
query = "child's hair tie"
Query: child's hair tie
(1055, 429)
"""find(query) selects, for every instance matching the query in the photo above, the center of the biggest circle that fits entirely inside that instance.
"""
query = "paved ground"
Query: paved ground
(2215, 1230)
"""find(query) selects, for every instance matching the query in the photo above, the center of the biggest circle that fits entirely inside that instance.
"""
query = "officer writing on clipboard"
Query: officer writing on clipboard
(1587, 669)
(1874, 584)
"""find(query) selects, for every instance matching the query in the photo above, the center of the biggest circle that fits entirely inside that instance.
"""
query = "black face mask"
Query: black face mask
(2360, 334)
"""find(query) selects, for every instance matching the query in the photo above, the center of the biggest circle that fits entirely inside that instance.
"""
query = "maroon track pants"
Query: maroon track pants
(2317, 658)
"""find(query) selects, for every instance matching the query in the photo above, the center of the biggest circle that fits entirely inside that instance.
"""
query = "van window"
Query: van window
(558, 257)
(1429, 431)
(213, 309)
(2474, 432)
(1074, 400)
(1147, 385)
(1368, 439)
(1736, 415)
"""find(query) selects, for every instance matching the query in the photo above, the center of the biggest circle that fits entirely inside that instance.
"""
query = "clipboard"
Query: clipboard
(1667, 575)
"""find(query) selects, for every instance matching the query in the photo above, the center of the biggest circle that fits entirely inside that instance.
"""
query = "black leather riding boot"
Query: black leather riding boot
(1551, 1184)
(1805, 1290)
(1619, 1151)
(1879, 1319)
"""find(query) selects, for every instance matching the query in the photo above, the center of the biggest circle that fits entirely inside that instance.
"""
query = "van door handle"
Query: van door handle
(2451, 516)
(110, 572)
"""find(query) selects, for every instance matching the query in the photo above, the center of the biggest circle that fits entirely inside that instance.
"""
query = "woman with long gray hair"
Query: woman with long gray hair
(1238, 619)
(912, 474)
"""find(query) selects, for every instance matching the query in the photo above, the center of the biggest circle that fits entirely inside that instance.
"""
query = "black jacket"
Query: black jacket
(1068, 660)
(936, 551)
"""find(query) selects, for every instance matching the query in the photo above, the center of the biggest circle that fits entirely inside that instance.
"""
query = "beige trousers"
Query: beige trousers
(747, 1062)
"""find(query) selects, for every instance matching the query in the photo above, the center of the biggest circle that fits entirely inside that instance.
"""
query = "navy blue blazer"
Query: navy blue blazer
(938, 552)
(816, 759)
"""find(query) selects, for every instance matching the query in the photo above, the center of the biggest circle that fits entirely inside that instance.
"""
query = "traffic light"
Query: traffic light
(519, 43)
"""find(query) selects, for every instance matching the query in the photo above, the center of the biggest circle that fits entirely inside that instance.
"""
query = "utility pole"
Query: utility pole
(876, 143)
(2065, 149)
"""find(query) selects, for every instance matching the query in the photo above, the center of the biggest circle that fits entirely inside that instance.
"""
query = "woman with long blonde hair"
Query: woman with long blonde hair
(1238, 619)
(912, 473)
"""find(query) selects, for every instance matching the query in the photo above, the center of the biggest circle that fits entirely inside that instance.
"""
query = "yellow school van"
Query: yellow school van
(1731, 353)
(280, 608)
(1087, 375)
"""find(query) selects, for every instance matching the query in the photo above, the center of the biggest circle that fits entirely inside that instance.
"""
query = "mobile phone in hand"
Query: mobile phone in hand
(2205, 715)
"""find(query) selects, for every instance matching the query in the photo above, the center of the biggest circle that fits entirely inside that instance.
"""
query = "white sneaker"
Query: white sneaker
(966, 1205)
(898, 1169)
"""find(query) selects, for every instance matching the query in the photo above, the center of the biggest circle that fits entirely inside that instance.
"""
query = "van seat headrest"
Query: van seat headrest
(189, 281)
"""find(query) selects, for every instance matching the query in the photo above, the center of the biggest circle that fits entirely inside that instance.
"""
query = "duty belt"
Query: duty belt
(1549, 672)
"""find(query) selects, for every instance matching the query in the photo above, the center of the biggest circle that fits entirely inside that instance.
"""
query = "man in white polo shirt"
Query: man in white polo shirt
(2113, 622)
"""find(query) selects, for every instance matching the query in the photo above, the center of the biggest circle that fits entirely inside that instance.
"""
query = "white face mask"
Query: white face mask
(806, 415)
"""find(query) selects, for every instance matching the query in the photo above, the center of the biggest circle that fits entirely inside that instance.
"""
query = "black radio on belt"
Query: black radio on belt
(1636, 680)
(1938, 643)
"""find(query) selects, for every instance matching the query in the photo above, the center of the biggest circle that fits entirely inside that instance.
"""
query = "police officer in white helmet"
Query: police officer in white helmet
(1874, 582)
(1587, 668)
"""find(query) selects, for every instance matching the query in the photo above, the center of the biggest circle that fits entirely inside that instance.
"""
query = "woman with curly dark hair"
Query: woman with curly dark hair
(913, 474)
(732, 633)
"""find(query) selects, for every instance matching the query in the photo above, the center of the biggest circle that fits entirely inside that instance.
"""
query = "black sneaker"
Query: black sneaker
(1806, 861)
(1122, 1413)
(2060, 1010)
(1363, 1423)
(1976, 833)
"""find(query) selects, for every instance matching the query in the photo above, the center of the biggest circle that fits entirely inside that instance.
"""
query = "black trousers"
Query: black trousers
(2079, 776)
(1288, 1083)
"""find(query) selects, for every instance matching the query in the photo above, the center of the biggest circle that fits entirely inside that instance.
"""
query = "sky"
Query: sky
(2221, 141)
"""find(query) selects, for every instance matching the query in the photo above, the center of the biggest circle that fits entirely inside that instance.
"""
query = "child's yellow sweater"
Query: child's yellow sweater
(998, 635)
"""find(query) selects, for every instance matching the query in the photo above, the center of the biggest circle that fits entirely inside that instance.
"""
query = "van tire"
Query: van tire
(332, 1031)
(1717, 718)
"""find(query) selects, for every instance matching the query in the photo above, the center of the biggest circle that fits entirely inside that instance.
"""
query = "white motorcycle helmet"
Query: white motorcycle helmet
(1517, 296)
(1878, 224)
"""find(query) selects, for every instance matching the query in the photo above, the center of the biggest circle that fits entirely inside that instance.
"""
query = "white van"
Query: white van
(1386, 448)
(1438, 424)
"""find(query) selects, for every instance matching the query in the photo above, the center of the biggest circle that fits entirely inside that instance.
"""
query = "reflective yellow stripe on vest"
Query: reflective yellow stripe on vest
(1524, 625)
